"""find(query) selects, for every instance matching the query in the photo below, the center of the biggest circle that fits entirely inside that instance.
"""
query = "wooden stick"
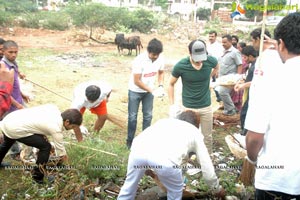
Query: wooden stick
(84, 147)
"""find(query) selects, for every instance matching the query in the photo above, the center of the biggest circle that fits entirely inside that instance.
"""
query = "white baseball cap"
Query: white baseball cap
(199, 51)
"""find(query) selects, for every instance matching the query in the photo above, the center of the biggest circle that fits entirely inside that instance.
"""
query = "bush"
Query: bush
(30, 20)
(203, 13)
(56, 21)
(85, 15)
(6, 19)
(142, 21)
(17, 7)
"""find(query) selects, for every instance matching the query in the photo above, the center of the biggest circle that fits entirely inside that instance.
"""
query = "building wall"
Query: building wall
(223, 15)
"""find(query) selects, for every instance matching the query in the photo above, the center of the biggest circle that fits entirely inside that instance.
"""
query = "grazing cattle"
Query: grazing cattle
(136, 40)
(120, 38)
(133, 42)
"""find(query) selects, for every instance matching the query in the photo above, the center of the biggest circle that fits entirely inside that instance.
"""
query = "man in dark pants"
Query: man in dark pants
(32, 126)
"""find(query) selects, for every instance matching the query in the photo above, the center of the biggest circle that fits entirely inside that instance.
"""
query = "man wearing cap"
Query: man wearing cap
(92, 95)
(195, 72)
(230, 63)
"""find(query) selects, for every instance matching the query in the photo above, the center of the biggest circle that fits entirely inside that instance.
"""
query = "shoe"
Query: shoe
(229, 113)
(128, 144)
(3, 165)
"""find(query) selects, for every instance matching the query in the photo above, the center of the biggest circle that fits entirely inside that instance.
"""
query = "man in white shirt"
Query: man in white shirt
(165, 148)
(92, 95)
(273, 138)
(214, 48)
(145, 68)
(32, 126)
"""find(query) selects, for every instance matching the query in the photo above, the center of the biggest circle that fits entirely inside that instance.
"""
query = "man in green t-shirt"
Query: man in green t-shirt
(195, 72)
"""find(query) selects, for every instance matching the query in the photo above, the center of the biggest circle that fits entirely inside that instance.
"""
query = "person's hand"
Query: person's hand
(273, 44)
(26, 98)
(6, 75)
(159, 92)
(19, 106)
(238, 87)
(22, 76)
(174, 110)
(84, 130)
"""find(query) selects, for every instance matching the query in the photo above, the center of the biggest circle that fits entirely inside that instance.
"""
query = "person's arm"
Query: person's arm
(57, 138)
(240, 69)
(6, 75)
(25, 97)
(254, 143)
(239, 86)
(78, 134)
(171, 89)
(161, 76)
(137, 78)
(5, 98)
(21, 75)
(15, 103)
(207, 167)
(215, 71)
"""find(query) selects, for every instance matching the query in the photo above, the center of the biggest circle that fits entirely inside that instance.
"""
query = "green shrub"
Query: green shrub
(142, 21)
(18, 7)
(6, 19)
(56, 21)
(30, 20)
(203, 13)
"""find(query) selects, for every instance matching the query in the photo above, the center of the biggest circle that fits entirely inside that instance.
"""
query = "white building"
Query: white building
(118, 3)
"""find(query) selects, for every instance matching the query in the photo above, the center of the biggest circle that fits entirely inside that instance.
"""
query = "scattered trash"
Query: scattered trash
(195, 183)
(231, 198)
(27, 196)
(97, 190)
(4, 196)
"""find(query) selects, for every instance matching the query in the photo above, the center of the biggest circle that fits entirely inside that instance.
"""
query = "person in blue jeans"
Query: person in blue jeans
(145, 68)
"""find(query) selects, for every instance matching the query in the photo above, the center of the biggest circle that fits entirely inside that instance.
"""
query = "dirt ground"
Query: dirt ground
(72, 41)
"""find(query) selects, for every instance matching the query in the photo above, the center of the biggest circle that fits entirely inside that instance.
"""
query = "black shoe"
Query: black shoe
(3, 165)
